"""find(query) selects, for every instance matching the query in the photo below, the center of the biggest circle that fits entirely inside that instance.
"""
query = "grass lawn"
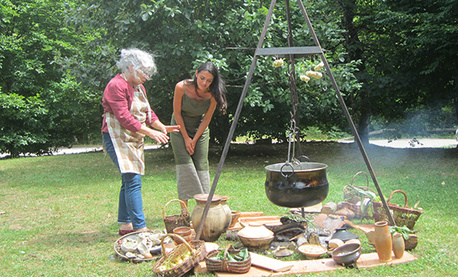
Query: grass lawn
(58, 213)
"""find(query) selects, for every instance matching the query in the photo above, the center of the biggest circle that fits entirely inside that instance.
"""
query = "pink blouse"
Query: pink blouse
(117, 99)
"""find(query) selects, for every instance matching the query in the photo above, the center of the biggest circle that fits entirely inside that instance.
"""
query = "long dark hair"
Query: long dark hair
(217, 87)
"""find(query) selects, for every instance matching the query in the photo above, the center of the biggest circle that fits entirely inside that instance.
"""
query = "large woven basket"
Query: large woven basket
(352, 196)
(224, 265)
(195, 247)
(173, 221)
(403, 216)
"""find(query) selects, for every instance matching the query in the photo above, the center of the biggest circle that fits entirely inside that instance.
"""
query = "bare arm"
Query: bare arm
(205, 121)
(177, 100)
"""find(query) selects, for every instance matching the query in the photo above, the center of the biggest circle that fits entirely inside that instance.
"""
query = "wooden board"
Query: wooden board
(264, 220)
(269, 263)
(320, 265)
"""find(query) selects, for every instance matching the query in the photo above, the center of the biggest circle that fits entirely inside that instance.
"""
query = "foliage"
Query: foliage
(42, 105)
(380, 52)
(409, 62)
(185, 33)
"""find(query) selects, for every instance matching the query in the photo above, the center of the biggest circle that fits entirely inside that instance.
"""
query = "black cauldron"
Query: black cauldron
(296, 185)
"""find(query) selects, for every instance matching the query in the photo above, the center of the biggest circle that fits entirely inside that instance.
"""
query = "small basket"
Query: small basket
(173, 221)
(403, 216)
(225, 265)
(352, 196)
(195, 247)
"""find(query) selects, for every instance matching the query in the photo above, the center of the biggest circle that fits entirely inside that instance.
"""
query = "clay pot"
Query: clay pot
(256, 236)
(227, 210)
(216, 221)
(383, 242)
(182, 231)
(398, 245)
(347, 254)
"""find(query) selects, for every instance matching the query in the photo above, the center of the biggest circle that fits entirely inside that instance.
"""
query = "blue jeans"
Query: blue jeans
(130, 209)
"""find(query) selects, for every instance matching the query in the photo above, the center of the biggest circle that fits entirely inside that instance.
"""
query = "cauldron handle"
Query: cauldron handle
(303, 156)
(283, 173)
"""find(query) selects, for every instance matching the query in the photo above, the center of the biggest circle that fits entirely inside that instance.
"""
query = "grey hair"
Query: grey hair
(138, 59)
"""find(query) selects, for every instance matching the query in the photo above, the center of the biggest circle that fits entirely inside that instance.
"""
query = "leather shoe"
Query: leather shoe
(125, 232)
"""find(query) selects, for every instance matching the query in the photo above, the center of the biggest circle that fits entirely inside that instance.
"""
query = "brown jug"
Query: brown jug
(216, 221)
(383, 242)
(398, 245)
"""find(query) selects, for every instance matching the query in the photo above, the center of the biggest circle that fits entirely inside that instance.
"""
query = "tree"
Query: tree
(185, 33)
(408, 58)
(42, 106)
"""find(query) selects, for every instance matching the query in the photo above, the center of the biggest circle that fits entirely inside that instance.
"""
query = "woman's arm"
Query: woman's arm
(205, 121)
(177, 100)
(159, 136)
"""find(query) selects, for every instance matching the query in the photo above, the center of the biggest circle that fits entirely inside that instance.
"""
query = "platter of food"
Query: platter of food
(139, 246)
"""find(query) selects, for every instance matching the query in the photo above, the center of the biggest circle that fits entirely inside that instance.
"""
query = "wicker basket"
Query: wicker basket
(173, 221)
(225, 265)
(403, 216)
(195, 247)
(352, 196)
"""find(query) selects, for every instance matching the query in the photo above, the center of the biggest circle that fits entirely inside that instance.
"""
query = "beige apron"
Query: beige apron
(129, 145)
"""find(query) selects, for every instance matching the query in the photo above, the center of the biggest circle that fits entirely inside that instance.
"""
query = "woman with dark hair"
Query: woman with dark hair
(194, 103)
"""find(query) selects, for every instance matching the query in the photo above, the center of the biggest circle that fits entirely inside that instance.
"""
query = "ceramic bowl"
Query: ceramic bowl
(182, 231)
(347, 254)
(257, 243)
(312, 251)
(256, 236)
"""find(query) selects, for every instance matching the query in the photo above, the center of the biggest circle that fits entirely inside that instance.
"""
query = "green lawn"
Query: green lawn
(58, 213)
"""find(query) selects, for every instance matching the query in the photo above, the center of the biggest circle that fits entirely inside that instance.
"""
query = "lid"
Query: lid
(255, 231)
(343, 235)
(202, 197)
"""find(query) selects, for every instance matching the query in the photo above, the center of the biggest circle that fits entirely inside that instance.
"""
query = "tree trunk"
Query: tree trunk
(355, 51)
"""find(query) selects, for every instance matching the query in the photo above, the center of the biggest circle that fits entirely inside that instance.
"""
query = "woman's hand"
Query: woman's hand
(190, 145)
(171, 128)
(158, 136)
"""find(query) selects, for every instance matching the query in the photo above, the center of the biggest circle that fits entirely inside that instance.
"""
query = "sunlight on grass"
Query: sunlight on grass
(58, 213)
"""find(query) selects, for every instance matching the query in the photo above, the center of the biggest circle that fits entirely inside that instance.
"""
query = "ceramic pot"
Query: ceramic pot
(227, 210)
(398, 245)
(383, 242)
(216, 221)
(256, 236)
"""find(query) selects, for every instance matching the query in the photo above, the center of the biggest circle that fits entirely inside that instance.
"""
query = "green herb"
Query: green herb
(241, 256)
(244, 254)
(404, 231)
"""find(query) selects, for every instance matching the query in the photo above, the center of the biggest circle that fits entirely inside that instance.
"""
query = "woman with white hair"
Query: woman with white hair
(127, 118)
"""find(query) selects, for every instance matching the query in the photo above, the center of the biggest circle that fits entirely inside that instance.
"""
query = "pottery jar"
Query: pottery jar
(398, 245)
(216, 220)
(256, 236)
(227, 210)
(383, 242)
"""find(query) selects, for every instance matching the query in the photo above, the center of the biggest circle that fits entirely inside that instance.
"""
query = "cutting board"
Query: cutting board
(270, 263)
